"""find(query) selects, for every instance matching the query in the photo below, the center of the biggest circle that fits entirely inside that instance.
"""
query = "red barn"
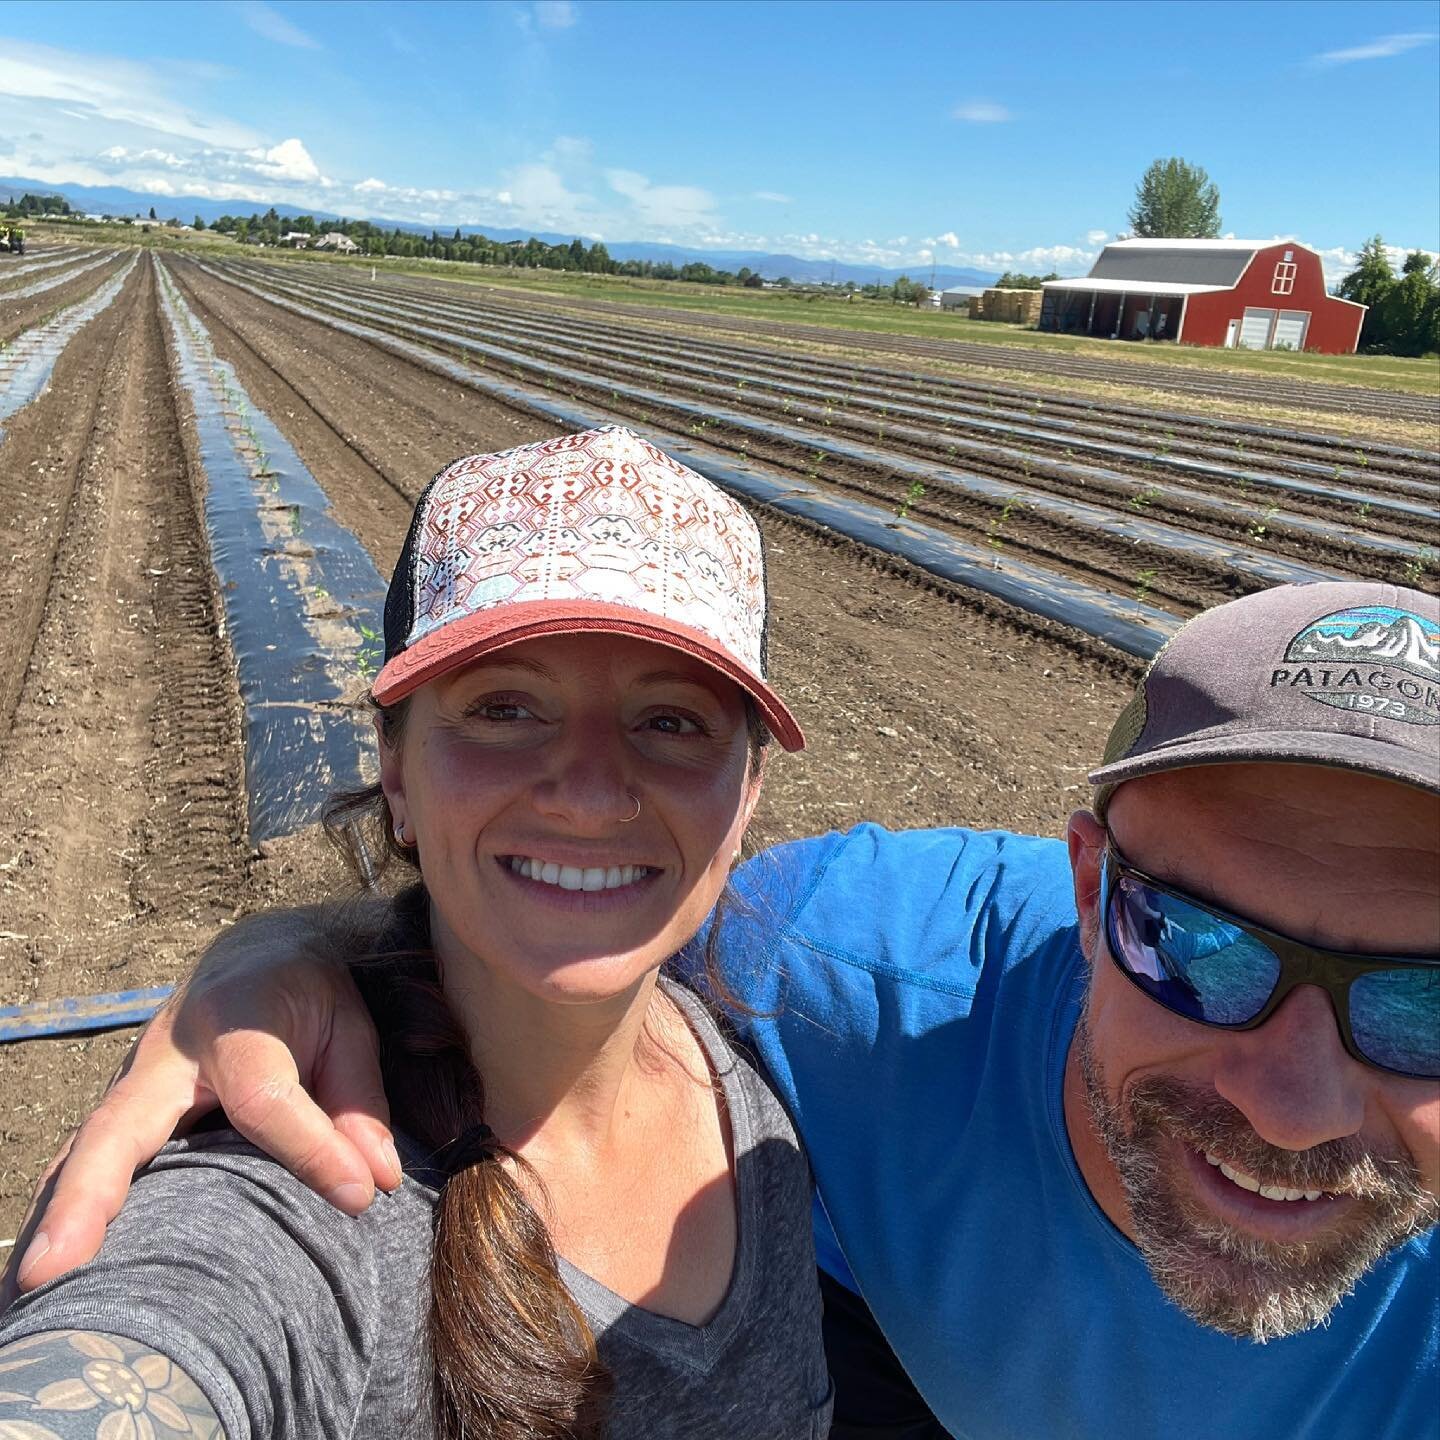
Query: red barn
(1256, 294)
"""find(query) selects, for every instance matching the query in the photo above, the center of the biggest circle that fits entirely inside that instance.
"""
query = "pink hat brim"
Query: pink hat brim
(467, 638)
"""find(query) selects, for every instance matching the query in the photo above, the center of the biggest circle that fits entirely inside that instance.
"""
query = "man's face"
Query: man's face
(1155, 1104)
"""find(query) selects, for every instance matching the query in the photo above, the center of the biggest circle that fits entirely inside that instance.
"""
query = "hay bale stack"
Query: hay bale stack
(1013, 307)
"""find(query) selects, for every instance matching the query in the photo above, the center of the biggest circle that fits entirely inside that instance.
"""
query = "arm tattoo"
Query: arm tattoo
(81, 1385)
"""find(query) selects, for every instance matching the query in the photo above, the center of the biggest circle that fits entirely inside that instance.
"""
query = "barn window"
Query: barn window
(1284, 282)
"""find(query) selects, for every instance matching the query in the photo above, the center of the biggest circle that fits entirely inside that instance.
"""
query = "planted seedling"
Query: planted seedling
(1418, 564)
(1258, 529)
(1141, 501)
(367, 657)
(1144, 579)
(994, 532)
(914, 493)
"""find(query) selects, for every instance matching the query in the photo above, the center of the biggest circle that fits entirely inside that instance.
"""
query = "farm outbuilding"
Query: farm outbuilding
(958, 297)
(1259, 295)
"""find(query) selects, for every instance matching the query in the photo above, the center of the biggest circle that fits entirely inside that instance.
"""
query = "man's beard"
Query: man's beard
(1219, 1275)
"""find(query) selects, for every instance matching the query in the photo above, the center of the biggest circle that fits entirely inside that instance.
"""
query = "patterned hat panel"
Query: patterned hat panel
(600, 515)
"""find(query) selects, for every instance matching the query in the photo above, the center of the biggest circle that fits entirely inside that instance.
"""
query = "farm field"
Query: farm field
(967, 569)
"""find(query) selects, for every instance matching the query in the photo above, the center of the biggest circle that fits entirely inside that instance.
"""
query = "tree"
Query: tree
(1175, 201)
(1406, 315)
(199, 224)
(152, 212)
(1369, 283)
(1017, 280)
(906, 291)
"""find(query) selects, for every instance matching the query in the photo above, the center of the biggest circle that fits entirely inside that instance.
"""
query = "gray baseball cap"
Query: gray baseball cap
(1340, 673)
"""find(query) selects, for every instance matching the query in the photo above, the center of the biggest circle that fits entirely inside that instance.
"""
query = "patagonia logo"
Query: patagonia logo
(1373, 658)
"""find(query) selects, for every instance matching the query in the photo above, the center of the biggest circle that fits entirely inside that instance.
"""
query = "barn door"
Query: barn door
(1255, 328)
(1290, 330)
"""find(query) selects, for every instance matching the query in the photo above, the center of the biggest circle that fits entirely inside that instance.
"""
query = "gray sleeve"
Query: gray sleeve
(263, 1294)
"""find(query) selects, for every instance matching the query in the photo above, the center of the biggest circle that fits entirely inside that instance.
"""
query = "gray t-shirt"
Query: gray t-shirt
(299, 1322)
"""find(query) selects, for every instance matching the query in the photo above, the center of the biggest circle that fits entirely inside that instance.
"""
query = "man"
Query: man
(1144, 1145)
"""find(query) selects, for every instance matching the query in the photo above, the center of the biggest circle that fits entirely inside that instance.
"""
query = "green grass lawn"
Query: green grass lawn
(1385, 372)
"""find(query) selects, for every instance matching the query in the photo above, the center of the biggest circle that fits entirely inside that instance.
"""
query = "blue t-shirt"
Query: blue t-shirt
(924, 988)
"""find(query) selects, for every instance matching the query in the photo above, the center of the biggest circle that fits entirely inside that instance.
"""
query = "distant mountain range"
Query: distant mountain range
(106, 200)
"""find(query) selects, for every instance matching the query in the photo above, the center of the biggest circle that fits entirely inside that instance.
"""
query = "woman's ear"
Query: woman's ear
(1086, 838)
(392, 775)
(752, 787)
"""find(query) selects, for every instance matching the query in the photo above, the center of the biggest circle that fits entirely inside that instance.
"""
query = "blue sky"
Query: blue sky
(992, 135)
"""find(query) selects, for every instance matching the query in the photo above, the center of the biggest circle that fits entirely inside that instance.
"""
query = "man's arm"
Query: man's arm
(82, 1385)
(268, 1016)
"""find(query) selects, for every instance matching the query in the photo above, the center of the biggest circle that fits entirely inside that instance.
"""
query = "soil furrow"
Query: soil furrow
(1177, 433)
(20, 315)
(1159, 572)
(1232, 384)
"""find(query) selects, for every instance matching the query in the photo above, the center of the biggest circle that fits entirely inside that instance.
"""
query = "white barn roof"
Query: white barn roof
(1133, 287)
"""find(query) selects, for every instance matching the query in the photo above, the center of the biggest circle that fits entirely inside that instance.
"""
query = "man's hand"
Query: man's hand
(266, 1018)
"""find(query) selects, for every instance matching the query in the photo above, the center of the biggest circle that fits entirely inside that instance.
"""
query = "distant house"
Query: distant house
(1254, 294)
(957, 297)
(338, 242)
(299, 239)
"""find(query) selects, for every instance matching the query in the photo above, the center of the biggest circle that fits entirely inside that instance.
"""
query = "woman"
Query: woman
(572, 719)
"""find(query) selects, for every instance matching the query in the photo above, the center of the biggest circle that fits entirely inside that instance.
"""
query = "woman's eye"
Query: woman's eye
(497, 710)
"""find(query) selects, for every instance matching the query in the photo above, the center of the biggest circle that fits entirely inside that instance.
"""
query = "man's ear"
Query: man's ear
(1085, 836)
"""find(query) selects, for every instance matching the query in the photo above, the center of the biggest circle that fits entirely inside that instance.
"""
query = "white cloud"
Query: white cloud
(101, 88)
(1382, 49)
(555, 14)
(949, 239)
(289, 160)
(772, 197)
(981, 112)
(372, 184)
(1096, 237)
(672, 206)
(265, 20)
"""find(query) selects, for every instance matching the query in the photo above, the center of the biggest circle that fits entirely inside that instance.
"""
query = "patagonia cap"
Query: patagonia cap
(1340, 673)
(593, 532)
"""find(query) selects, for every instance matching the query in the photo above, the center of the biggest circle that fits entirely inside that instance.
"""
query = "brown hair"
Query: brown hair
(512, 1355)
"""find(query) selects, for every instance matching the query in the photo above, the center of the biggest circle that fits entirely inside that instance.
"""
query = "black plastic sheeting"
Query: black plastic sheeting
(27, 362)
(1121, 526)
(15, 269)
(303, 601)
(354, 303)
(1016, 395)
(1128, 625)
(51, 281)
(941, 396)
(1240, 557)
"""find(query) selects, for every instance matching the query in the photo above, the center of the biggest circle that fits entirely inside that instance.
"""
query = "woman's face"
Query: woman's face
(517, 776)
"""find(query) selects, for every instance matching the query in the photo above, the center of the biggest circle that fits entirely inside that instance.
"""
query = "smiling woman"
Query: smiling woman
(602, 1203)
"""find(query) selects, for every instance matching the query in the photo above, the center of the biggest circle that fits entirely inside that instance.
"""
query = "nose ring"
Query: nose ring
(636, 815)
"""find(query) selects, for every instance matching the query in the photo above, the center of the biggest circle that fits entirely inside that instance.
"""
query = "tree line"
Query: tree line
(476, 249)
(1404, 313)
(28, 206)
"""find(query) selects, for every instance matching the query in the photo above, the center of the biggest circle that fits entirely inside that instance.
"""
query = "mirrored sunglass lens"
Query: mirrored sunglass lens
(1190, 960)
(1395, 1018)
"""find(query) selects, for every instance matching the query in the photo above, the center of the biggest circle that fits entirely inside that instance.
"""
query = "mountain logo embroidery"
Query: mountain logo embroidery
(1374, 658)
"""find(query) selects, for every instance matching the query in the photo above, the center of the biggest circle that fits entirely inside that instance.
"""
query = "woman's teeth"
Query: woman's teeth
(1249, 1182)
(573, 877)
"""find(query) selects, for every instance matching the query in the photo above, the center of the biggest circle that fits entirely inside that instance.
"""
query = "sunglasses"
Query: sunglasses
(1220, 970)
